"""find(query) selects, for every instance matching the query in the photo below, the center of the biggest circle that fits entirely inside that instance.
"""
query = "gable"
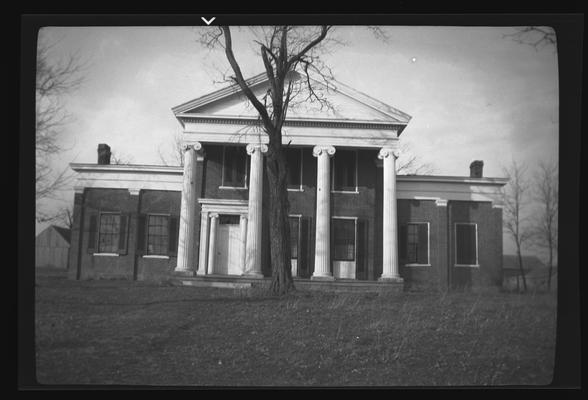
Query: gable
(346, 104)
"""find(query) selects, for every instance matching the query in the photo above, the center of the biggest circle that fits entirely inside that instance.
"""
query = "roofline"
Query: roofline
(79, 167)
(452, 179)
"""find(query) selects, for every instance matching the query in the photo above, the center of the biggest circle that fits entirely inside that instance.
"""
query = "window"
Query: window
(294, 160)
(466, 244)
(294, 236)
(157, 234)
(417, 243)
(234, 166)
(343, 234)
(345, 170)
(108, 233)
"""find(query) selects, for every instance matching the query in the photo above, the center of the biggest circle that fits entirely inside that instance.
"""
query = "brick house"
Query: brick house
(351, 217)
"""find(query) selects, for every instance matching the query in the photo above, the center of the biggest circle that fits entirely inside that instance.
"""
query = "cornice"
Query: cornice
(161, 169)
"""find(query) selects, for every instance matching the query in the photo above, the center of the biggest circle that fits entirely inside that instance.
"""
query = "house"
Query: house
(351, 217)
(52, 248)
(536, 272)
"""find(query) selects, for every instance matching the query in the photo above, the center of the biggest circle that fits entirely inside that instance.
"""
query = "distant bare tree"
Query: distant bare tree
(516, 200)
(175, 154)
(409, 164)
(53, 82)
(547, 193)
(535, 36)
(118, 158)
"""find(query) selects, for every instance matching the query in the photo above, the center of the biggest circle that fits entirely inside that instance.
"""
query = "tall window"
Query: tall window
(345, 170)
(294, 160)
(417, 243)
(108, 233)
(343, 234)
(234, 166)
(466, 244)
(294, 236)
(157, 235)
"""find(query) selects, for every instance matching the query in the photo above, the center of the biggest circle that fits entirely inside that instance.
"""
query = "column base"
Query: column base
(391, 279)
(183, 272)
(329, 277)
(200, 273)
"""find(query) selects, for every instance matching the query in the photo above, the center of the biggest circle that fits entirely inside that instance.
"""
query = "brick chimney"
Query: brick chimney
(103, 154)
(476, 169)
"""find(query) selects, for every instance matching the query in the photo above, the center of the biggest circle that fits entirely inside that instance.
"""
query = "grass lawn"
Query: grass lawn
(135, 333)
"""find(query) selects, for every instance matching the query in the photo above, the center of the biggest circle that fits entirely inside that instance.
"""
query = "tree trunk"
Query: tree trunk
(550, 267)
(522, 271)
(279, 226)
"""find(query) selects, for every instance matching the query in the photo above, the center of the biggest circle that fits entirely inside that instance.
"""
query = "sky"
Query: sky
(473, 93)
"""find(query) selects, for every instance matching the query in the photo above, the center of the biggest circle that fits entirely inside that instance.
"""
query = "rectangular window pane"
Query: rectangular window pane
(293, 158)
(343, 239)
(345, 169)
(294, 226)
(417, 243)
(465, 242)
(157, 234)
(109, 233)
(234, 166)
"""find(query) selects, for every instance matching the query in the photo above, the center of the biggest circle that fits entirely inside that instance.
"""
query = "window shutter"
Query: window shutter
(360, 263)
(93, 234)
(123, 234)
(141, 233)
(402, 242)
(173, 236)
(423, 249)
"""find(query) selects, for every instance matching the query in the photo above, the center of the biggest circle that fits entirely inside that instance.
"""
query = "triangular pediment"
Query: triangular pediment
(345, 104)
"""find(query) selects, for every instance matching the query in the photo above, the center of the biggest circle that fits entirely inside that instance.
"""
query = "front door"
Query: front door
(227, 260)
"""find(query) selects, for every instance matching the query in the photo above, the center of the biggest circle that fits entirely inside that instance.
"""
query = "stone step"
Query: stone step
(214, 284)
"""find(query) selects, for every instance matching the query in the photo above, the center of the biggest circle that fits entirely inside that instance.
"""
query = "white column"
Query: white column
(212, 243)
(253, 244)
(322, 252)
(243, 244)
(203, 244)
(187, 212)
(390, 234)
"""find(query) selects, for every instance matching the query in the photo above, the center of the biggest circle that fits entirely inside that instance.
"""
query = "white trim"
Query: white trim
(106, 254)
(333, 169)
(477, 264)
(428, 264)
(224, 206)
(156, 256)
(222, 186)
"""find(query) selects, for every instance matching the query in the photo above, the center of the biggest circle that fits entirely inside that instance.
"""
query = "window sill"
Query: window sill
(295, 190)
(233, 187)
(346, 191)
(106, 254)
(156, 256)
(467, 265)
(344, 261)
(417, 265)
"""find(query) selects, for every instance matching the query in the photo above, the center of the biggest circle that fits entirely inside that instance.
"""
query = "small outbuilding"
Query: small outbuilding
(52, 248)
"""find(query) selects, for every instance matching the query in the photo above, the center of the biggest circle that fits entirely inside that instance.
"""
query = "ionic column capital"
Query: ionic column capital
(196, 146)
(385, 152)
(328, 150)
(253, 147)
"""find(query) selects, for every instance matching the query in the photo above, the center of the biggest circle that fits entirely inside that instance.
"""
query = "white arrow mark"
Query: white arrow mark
(208, 22)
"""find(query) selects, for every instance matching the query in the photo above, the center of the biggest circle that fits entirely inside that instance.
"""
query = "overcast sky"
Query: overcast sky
(471, 92)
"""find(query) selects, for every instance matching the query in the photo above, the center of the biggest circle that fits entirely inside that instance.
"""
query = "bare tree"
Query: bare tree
(535, 36)
(174, 155)
(54, 80)
(516, 201)
(118, 158)
(409, 164)
(546, 194)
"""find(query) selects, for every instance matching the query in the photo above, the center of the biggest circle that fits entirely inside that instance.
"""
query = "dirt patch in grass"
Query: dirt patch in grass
(133, 333)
